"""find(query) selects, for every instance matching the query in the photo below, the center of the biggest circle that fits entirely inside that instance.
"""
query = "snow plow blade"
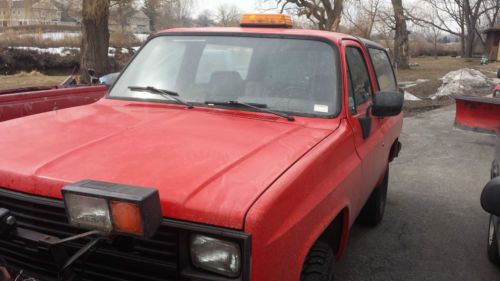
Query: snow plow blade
(478, 114)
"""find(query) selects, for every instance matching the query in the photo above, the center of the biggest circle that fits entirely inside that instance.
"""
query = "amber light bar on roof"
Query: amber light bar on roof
(266, 20)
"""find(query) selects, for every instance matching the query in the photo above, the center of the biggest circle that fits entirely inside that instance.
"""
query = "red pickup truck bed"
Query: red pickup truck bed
(19, 103)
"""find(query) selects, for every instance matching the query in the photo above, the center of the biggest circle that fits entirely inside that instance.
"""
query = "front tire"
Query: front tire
(374, 209)
(493, 252)
(319, 264)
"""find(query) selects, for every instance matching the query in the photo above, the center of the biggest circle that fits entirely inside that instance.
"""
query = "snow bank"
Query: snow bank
(464, 81)
(62, 51)
(410, 97)
(67, 51)
(60, 35)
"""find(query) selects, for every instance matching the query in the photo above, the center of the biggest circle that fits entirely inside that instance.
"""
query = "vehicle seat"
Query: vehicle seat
(225, 86)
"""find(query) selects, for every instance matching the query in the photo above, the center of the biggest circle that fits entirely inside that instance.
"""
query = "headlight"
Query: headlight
(88, 212)
(216, 255)
(113, 208)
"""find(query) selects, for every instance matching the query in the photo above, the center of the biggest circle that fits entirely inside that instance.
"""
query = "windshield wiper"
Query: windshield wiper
(164, 93)
(258, 107)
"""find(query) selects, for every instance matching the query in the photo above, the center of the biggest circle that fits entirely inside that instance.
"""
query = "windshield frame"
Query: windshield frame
(337, 64)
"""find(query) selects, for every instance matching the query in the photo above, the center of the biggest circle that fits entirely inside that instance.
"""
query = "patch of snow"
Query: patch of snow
(62, 51)
(408, 84)
(141, 36)
(462, 82)
(60, 35)
(67, 51)
(411, 97)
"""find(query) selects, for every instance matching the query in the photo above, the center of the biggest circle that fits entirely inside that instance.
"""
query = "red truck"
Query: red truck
(23, 102)
(261, 144)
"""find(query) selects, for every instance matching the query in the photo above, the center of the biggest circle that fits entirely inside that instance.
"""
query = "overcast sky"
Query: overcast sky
(246, 6)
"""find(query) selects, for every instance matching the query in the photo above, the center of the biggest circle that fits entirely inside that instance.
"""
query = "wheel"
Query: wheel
(319, 264)
(373, 211)
(493, 252)
(496, 94)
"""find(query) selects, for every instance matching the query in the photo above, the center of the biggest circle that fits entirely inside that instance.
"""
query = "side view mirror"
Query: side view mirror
(386, 104)
(498, 73)
(490, 198)
(109, 80)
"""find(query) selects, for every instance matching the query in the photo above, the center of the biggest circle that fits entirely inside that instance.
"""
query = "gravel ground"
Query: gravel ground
(434, 227)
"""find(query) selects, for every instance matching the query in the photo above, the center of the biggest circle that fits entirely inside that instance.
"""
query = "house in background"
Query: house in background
(47, 12)
(493, 41)
(44, 12)
(139, 23)
(29, 12)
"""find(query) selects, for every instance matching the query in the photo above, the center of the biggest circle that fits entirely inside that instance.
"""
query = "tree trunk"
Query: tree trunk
(462, 44)
(401, 43)
(469, 44)
(95, 38)
(436, 46)
(338, 9)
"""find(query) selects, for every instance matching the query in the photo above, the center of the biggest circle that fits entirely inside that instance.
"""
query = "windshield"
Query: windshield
(288, 75)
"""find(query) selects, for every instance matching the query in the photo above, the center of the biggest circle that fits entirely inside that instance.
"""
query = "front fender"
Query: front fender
(290, 216)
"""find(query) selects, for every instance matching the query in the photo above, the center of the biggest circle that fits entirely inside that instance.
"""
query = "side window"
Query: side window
(360, 90)
(383, 70)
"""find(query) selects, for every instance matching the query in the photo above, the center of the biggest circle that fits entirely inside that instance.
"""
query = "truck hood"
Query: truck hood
(209, 165)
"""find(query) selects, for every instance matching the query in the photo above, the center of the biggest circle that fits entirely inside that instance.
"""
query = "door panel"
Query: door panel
(370, 146)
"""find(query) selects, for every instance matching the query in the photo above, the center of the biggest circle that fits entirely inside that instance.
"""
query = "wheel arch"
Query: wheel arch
(395, 149)
(337, 233)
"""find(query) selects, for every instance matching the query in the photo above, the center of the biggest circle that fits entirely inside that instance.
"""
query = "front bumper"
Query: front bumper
(163, 257)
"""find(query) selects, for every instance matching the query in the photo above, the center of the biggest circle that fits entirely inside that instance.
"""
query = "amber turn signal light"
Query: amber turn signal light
(266, 20)
(113, 208)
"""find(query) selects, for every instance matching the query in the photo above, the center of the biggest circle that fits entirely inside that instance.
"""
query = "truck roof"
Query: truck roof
(332, 36)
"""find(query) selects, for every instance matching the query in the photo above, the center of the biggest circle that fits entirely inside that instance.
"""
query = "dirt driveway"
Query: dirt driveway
(434, 227)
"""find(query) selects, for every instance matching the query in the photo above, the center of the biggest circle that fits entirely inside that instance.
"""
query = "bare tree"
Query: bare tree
(121, 11)
(362, 16)
(458, 17)
(95, 37)
(227, 15)
(401, 42)
(432, 35)
(325, 14)
(176, 13)
(151, 8)
(492, 14)
(204, 19)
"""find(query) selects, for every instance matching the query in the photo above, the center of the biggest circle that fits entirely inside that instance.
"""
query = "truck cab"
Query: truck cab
(264, 144)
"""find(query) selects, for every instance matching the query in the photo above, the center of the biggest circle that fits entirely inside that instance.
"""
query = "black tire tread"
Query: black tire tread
(493, 251)
(319, 263)
(373, 212)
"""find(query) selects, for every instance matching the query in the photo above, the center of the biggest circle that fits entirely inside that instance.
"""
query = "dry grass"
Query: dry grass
(433, 69)
(31, 79)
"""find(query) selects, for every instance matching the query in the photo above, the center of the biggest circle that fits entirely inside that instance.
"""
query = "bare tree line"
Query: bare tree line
(462, 18)
(386, 22)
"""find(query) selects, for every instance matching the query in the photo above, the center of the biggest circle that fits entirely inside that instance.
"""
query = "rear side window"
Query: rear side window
(383, 70)
(360, 90)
